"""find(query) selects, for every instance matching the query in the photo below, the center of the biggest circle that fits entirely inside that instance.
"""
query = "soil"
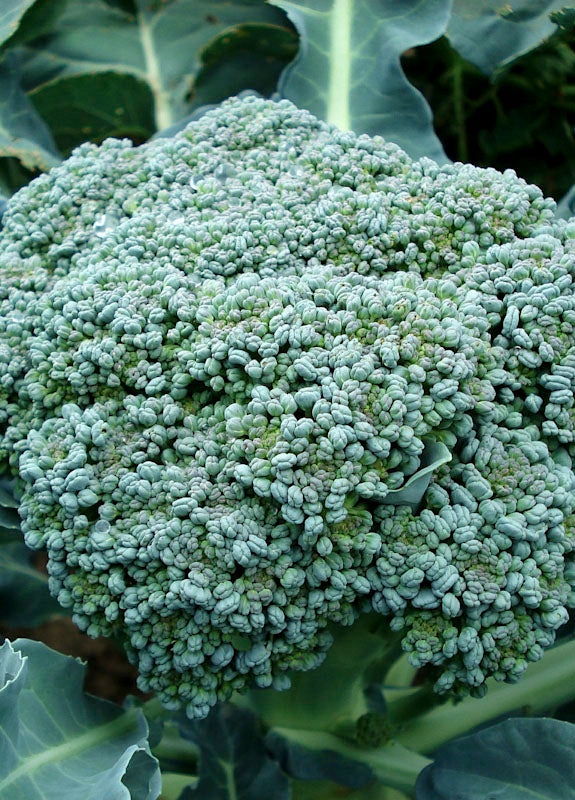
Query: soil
(108, 673)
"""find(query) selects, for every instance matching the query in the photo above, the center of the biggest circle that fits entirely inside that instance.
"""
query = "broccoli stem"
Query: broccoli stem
(412, 703)
(174, 752)
(153, 709)
(333, 697)
(393, 765)
(162, 111)
(547, 683)
(340, 67)
(174, 783)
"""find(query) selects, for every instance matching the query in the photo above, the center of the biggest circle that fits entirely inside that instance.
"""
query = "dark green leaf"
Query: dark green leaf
(13, 176)
(40, 18)
(348, 69)
(324, 790)
(11, 12)
(161, 45)
(564, 18)
(566, 206)
(308, 765)
(24, 595)
(129, 6)
(270, 41)
(234, 764)
(492, 33)
(9, 519)
(57, 742)
(23, 133)
(94, 107)
(519, 759)
(7, 497)
(252, 58)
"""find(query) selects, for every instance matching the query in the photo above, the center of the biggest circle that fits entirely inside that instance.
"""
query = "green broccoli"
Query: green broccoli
(264, 377)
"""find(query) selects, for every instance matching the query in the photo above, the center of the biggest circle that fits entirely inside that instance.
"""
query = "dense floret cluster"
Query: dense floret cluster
(264, 376)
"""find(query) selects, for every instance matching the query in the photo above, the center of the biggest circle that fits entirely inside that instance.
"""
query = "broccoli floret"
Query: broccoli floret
(263, 377)
(484, 561)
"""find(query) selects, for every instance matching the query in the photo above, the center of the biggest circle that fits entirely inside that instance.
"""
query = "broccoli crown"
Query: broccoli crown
(265, 376)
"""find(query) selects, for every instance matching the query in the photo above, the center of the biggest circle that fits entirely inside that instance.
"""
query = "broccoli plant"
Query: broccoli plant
(290, 412)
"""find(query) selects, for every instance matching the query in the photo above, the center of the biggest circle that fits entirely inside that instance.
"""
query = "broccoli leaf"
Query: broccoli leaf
(311, 765)
(46, 751)
(492, 33)
(7, 496)
(161, 45)
(566, 206)
(234, 764)
(9, 519)
(252, 56)
(39, 19)
(23, 133)
(24, 595)
(94, 107)
(348, 69)
(518, 759)
(11, 13)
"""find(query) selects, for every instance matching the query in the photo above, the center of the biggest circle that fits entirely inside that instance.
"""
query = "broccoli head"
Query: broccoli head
(262, 377)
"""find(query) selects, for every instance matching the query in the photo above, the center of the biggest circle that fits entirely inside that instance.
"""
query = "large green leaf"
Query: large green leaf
(348, 70)
(160, 45)
(11, 12)
(234, 764)
(94, 107)
(57, 742)
(519, 759)
(23, 133)
(492, 33)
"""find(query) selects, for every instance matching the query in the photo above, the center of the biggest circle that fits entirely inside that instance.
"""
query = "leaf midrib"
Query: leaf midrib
(162, 112)
(86, 741)
(338, 111)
